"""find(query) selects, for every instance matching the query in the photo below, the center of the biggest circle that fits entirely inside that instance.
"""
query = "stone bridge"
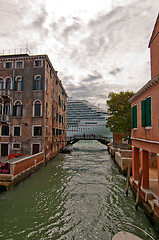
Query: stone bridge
(99, 138)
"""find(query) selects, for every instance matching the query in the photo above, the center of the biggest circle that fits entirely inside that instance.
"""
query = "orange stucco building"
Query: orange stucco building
(145, 128)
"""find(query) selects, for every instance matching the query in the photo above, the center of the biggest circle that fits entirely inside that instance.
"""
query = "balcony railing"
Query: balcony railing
(5, 92)
(5, 118)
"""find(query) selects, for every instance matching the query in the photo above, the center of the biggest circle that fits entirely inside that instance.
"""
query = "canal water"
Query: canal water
(80, 195)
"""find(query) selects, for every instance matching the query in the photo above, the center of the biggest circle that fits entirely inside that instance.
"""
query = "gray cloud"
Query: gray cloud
(115, 71)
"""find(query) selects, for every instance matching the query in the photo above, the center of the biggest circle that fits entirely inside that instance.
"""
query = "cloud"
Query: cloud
(115, 71)
(108, 52)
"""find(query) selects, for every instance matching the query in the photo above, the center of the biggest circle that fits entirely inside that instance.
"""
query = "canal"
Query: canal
(80, 195)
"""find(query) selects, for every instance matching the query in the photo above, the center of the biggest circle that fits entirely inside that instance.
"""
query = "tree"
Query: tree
(119, 113)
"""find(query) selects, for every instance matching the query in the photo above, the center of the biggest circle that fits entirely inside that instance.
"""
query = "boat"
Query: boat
(67, 149)
(125, 235)
(85, 119)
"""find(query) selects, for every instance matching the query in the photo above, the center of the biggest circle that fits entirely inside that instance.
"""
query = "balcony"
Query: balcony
(5, 118)
(5, 93)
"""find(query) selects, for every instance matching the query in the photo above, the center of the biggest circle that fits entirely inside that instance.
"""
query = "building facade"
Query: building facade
(145, 127)
(33, 105)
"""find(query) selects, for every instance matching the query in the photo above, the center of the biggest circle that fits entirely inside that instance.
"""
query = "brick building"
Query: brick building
(32, 106)
(145, 128)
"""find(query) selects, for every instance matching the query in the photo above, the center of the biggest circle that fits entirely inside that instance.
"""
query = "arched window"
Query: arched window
(17, 109)
(7, 107)
(37, 108)
(37, 83)
(1, 107)
(1, 83)
(19, 83)
(8, 83)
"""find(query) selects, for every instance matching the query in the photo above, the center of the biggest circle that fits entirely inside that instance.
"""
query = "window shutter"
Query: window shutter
(34, 83)
(132, 117)
(22, 84)
(41, 81)
(135, 117)
(148, 111)
(40, 131)
(14, 110)
(21, 114)
(37, 110)
(15, 85)
(143, 113)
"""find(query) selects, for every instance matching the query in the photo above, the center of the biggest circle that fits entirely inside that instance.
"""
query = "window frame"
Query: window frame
(146, 112)
(34, 108)
(134, 122)
(7, 62)
(6, 79)
(20, 61)
(38, 60)
(33, 130)
(8, 131)
(16, 126)
(14, 147)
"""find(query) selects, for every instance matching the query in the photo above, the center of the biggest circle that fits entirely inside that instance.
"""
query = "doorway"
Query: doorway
(36, 148)
(4, 149)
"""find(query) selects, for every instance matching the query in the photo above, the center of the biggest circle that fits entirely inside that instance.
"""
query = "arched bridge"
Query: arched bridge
(99, 138)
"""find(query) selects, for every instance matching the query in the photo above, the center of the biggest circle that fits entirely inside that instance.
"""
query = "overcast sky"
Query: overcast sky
(97, 46)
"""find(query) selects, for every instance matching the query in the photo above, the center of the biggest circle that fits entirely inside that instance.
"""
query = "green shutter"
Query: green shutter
(40, 131)
(34, 83)
(143, 113)
(15, 85)
(132, 117)
(41, 83)
(135, 116)
(22, 84)
(14, 110)
(21, 114)
(37, 110)
(148, 111)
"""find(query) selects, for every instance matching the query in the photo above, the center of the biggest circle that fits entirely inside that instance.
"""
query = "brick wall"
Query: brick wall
(25, 163)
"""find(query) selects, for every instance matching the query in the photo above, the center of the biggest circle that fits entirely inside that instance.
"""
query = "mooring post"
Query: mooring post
(138, 190)
(128, 178)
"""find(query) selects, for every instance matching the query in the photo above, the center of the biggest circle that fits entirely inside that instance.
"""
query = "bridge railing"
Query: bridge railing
(88, 137)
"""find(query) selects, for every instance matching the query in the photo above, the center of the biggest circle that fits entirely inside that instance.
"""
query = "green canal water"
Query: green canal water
(80, 195)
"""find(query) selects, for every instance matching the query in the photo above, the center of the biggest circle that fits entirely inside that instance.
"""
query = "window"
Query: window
(1, 83)
(19, 64)
(5, 131)
(16, 145)
(7, 107)
(8, 83)
(1, 108)
(17, 131)
(18, 109)
(37, 83)
(37, 131)
(37, 109)
(53, 131)
(57, 131)
(134, 116)
(146, 112)
(53, 94)
(18, 84)
(59, 101)
(8, 64)
(46, 110)
(38, 63)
